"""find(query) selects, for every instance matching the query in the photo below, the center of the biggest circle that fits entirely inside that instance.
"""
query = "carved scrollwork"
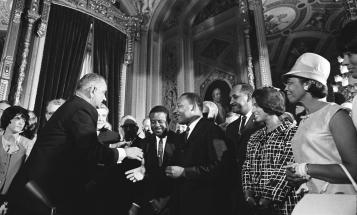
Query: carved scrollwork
(105, 11)
(42, 28)
(19, 7)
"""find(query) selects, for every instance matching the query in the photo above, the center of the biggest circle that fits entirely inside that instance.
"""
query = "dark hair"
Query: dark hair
(270, 99)
(315, 88)
(31, 130)
(193, 98)
(161, 109)
(10, 112)
(347, 38)
(247, 89)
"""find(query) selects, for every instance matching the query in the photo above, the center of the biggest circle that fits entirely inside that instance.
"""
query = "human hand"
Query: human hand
(155, 206)
(3, 208)
(134, 210)
(294, 179)
(248, 196)
(136, 174)
(134, 153)
(264, 204)
(174, 171)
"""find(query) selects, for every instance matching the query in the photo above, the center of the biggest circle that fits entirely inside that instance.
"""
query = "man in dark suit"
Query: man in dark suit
(158, 153)
(65, 150)
(238, 134)
(197, 160)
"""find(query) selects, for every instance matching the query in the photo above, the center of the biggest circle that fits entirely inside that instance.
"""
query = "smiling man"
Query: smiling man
(238, 134)
(65, 152)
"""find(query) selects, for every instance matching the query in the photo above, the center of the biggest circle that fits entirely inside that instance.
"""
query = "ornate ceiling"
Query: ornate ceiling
(292, 26)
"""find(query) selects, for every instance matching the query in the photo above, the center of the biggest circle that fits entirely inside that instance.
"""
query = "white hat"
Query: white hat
(311, 66)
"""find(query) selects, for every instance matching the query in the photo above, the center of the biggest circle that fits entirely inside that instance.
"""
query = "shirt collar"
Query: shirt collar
(193, 125)
(248, 115)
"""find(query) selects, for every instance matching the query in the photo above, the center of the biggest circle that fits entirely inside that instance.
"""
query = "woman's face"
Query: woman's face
(259, 113)
(294, 89)
(17, 124)
(350, 60)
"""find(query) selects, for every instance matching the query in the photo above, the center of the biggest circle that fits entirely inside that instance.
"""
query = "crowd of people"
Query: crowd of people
(252, 158)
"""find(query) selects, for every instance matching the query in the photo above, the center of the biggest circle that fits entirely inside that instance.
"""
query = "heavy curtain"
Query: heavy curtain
(108, 57)
(62, 57)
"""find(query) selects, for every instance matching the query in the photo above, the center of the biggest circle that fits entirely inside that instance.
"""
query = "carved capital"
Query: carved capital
(42, 28)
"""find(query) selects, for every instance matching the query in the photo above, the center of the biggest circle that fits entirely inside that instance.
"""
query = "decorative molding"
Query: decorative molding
(105, 11)
(46, 7)
(3, 89)
(5, 8)
(32, 16)
(19, 7)
(6, 67)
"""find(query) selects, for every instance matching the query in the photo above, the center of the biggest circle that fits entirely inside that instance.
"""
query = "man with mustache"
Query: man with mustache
(238, 134)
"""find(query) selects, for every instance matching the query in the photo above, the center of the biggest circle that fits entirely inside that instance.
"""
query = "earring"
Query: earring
(306, 88)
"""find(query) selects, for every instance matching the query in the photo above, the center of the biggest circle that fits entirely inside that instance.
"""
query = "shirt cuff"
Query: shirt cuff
(136, 205)
(122, 155)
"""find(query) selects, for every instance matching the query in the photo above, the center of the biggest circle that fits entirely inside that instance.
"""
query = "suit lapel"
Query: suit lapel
(195, 132)
(249, 124)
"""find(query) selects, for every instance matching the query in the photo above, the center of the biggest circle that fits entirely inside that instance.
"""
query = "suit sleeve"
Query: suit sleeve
(215, 148)
(83, 130)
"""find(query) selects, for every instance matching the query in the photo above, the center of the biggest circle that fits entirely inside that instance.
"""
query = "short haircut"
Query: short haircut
(57, 102)
(315, 88)
(270, 99)
(10, 112)
(161, 109)
(88, 79)
(195, 99)
(246, 89)
(347, 38)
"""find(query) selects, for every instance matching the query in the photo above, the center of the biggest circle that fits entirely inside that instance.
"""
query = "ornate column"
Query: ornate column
(32, 16)
(133, 33)
(9, 51)
(34, 66)
(243, 7)
(257, 8)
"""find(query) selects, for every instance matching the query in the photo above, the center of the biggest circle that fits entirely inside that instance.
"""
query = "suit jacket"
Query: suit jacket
(114, 193)
(157, 185)
(237, 144)
(65, 150)
(201, 156)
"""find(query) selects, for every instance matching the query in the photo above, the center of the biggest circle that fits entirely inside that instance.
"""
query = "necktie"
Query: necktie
(160, 152)
(186, 133)
(242, 122)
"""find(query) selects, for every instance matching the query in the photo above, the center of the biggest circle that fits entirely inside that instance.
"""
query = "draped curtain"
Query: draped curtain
(108, 57)
(62, 57)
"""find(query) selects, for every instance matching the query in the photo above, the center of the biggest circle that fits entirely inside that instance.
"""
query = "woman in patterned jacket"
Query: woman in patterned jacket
(268, 153)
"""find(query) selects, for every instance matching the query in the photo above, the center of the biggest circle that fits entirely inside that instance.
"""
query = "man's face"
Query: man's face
(159, 125)
(99, 91)
(216, 95)
(50, 110)
(350, 60)
(102, 117)
(183, 110)
(294, 90)
(3, 106)
(239, 101)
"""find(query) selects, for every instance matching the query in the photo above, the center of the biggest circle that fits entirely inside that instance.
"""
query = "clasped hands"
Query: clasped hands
(262, 204)
(136, 174)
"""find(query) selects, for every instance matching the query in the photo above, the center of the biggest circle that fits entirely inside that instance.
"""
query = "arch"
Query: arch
(223, 85)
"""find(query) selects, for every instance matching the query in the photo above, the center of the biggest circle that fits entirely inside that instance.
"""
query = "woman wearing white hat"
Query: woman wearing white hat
(326, 136)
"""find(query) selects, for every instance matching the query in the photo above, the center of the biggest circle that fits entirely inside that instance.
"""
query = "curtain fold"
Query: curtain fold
(108, 57)
(62, 57)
